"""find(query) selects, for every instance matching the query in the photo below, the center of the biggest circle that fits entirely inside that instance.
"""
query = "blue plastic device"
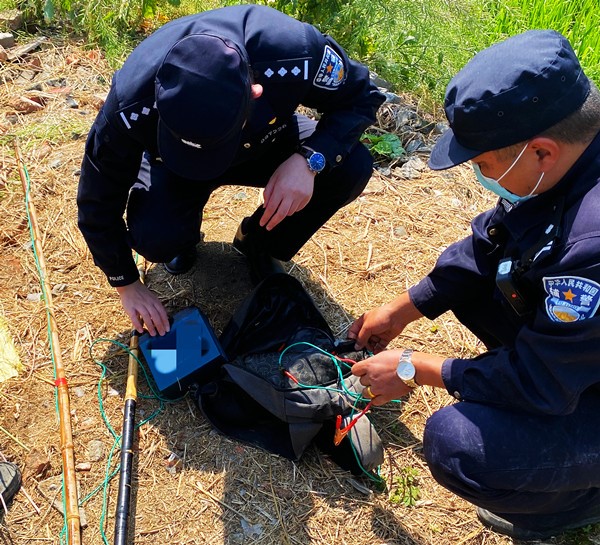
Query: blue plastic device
(189, 353)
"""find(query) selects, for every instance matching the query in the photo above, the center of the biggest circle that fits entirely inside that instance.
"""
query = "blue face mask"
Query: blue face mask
(494, 186)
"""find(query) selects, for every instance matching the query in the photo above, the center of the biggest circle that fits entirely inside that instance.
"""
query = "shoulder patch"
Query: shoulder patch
(571, 298)
(283, 70)
(134, 115)
(331, 73)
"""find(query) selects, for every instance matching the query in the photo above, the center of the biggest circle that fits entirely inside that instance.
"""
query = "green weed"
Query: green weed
(406, 489)
(385, 145)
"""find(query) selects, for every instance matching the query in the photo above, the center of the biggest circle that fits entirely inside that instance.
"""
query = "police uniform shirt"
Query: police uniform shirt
(293, 61)
(548, 358)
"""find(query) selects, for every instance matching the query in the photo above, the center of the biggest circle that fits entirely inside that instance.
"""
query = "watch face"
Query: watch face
(406, 370)
(316, 162)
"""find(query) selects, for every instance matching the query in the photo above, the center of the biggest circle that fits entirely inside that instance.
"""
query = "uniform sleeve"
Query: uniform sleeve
(555, 355)
(109, 169)
(464, 271)
(345, 96)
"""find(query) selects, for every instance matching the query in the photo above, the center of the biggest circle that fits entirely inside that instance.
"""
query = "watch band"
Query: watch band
(406, 359)
(315, 160)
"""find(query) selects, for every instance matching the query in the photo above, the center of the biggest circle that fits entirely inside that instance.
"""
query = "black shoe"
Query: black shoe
(182, 263)
(260, 263)
(503, 526)
(10, 482)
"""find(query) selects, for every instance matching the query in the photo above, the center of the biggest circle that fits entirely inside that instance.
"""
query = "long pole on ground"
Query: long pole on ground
(127, 439)
(64, 411)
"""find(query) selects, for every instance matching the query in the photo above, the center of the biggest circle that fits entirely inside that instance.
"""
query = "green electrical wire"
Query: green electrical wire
(356, 396)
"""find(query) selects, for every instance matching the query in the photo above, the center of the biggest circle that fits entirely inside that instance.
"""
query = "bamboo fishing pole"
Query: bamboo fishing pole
(64, 411)
(127, 439)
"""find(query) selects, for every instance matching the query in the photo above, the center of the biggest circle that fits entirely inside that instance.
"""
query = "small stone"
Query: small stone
(7, 40)
(95, 450)
(79, 391)
(400, 232)
(12, 19)
(26, 105)
(71, 102)
(37, 465)
(83, 466)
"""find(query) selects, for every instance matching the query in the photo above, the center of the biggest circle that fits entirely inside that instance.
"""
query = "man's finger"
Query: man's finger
(137, 323)
(359, 369)
(148, 322)
(280, 214)
(270, 210)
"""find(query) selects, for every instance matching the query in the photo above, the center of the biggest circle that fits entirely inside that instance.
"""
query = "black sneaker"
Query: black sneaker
(181, 263)
(260, 263)
(503, 526)
(10, 482)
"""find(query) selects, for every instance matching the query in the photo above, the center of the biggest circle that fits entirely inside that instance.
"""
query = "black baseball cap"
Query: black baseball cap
(508, 93)
(202, 97)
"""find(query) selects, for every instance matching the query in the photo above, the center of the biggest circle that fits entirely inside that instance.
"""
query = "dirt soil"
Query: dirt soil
(192, 485)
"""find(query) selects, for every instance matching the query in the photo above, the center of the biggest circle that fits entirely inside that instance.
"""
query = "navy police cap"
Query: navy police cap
(508, 93)
(202, 95)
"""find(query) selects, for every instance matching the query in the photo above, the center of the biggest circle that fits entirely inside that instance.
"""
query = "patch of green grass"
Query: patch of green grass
(406, 487)
(52, 130)
(417, 46)
(578, 20)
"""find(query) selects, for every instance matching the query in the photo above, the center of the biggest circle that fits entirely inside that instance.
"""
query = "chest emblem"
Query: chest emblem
(331, 73)
(571, 298)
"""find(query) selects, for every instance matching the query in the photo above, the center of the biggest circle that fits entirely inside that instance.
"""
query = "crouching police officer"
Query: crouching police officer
(523, 442)
(209, 100)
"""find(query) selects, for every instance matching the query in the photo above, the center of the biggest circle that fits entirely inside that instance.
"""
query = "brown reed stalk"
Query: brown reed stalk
(64, 412)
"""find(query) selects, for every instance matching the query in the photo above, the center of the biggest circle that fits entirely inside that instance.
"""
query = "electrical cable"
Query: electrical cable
(357, 397)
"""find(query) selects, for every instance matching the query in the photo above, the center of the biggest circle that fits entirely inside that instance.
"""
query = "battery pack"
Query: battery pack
(189, 353)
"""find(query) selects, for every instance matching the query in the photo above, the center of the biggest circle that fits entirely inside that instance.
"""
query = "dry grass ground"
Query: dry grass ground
(222, 491)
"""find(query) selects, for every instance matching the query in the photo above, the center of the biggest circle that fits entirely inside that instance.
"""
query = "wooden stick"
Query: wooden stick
(64, 410)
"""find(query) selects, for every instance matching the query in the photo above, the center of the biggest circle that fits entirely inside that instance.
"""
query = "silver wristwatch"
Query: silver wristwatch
(406, 370)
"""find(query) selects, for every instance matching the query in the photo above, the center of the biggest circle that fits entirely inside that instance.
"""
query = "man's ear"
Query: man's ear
(548, 152)
(256, 90)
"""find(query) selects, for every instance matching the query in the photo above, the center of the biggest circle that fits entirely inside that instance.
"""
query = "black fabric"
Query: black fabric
(278, 347)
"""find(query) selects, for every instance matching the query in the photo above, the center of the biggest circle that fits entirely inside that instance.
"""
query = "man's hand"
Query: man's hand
(378, 373)
(144, 308)
(288, 191)
(377, 327)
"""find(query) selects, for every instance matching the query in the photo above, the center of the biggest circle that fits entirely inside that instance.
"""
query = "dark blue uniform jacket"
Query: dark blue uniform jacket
(548, 357)
(293, 61)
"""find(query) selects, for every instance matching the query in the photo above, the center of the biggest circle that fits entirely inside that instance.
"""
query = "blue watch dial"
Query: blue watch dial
(316, 162)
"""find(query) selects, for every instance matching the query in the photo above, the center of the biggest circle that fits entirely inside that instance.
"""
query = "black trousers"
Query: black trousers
(164, 211)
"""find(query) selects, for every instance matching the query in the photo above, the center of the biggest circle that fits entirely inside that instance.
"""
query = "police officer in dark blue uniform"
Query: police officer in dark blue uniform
(523, 442)
(207, 100)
